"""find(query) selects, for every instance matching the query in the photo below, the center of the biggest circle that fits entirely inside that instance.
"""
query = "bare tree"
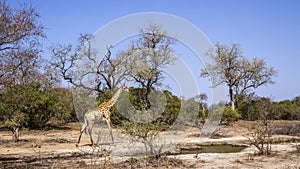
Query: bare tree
(106, 73)
(261, 132)
(239, 74)
(19, 44)
(147, 56)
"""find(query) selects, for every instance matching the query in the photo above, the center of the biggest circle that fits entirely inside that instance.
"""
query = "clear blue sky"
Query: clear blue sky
(268, 29)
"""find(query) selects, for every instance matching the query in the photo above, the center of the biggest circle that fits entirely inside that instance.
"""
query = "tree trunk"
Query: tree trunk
(231, 98)
(147, 101)
(232, 105)
(15, 134)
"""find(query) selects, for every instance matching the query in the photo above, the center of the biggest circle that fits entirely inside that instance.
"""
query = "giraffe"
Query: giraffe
(103, 110)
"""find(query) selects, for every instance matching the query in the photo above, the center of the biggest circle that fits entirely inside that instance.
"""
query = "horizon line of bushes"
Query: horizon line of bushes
(33, 105)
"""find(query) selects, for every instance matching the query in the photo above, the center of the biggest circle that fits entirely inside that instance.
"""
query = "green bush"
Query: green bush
(287, 110)
(252, 110)
(24, 106)
(60, 104)
(246, 110)
(131, 105)
(283, 110)
(223, 113)
(192, 112)
(229, 115)
(32, 106)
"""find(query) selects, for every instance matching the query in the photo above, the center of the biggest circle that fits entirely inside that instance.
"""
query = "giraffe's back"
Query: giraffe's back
(93, 114)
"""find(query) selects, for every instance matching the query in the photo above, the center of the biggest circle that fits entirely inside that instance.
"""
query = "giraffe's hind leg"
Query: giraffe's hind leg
(90, 135)
(81, 131)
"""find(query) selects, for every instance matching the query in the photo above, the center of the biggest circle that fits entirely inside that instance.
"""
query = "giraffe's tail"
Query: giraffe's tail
(84, 126)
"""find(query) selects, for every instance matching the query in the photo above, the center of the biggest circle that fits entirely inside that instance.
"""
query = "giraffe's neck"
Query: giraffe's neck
(114, 99)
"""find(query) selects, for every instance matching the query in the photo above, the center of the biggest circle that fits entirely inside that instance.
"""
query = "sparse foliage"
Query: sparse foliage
(19, 45)
(147, 56)
(261, 133)
(79, 64)
(240, 75)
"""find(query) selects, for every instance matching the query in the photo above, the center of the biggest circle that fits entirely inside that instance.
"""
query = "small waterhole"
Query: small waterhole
(225, 148)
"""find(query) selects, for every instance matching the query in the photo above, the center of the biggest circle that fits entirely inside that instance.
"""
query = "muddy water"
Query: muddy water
(225, 148)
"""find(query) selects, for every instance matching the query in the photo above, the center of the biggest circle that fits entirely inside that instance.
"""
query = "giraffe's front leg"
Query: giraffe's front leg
(110, 129)
(91, 136)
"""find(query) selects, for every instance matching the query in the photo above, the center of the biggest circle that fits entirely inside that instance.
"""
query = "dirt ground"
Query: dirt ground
(55, 148)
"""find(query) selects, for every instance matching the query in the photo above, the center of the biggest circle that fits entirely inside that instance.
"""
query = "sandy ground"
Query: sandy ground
(55, 148)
